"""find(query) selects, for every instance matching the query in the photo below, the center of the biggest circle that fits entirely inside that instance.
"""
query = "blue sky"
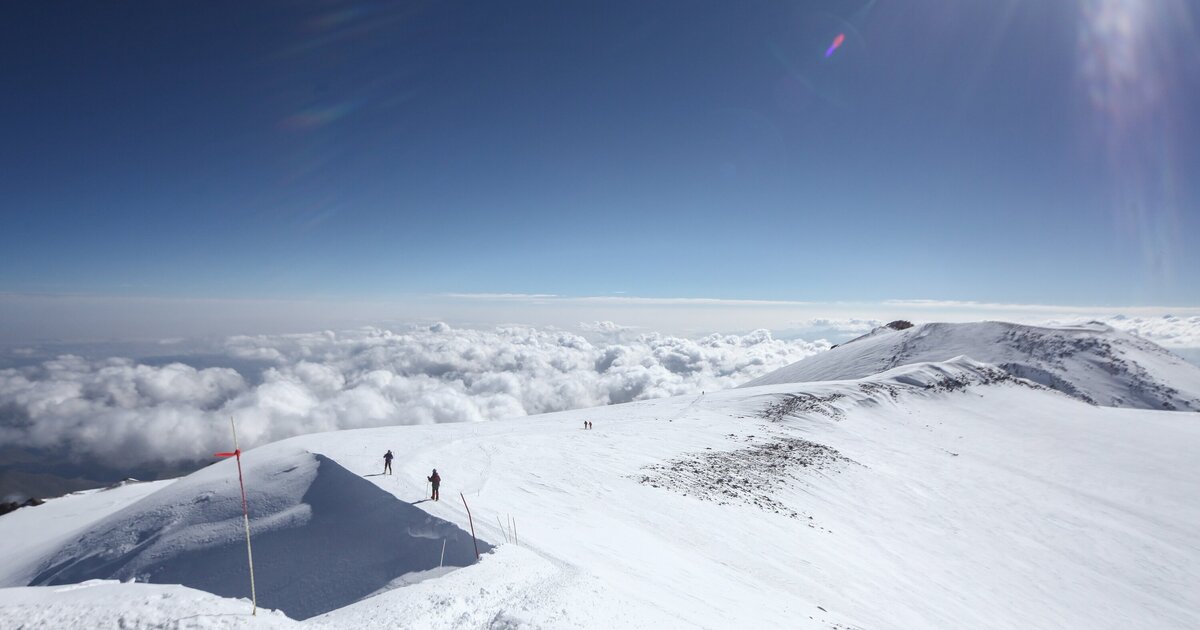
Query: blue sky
(1014, 151)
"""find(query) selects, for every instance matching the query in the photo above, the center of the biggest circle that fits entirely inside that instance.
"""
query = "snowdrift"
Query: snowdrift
(323, 537)
(1094, 363)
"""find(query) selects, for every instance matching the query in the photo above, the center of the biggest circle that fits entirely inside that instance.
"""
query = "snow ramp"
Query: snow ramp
(323, 536)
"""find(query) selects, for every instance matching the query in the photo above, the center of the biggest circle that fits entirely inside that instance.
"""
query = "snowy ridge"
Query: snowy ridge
(190, 533)
(933, 495)
(1094, 363)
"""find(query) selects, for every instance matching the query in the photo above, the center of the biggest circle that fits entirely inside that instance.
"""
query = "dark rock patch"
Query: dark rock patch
(800, 404)
(749, 476)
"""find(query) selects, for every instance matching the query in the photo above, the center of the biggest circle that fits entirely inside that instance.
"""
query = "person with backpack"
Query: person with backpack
(436, 480)
(387, 462)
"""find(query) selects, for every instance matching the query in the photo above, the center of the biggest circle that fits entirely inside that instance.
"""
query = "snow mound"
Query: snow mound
(323, 536)
(1094, 363)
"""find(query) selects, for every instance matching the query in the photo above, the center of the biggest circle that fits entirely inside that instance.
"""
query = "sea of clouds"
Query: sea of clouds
(126, 413)
(121, 412)
(1169, 331)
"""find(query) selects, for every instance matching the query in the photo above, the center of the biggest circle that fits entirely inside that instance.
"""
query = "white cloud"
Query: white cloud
(117, 411)
(27, 317)
(500, 296)
(850, 325)
(1168, 330)
(604, 327)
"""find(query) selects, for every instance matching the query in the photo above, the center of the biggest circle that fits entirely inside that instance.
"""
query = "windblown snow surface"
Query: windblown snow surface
(933, 495)
(309, 511)
(1094, 363)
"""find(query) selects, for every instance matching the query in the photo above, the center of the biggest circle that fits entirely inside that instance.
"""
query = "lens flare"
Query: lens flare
(1132, 71)
(837, 43)
(319, 116)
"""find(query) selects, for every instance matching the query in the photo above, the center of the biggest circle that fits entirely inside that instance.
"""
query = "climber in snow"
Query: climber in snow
(436, 480)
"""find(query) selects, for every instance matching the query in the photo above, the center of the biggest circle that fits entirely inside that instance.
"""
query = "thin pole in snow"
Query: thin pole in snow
(472, 521)
(502, 530)
(237, 454)
(443, 560)
(515, 533)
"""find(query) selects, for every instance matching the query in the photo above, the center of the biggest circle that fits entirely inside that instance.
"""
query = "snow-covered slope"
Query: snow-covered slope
(111, 604)
(309, 511)
(935, 495)
(1095, 362)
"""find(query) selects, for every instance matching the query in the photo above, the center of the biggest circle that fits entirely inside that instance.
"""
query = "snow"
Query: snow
(31, 533)
(943, 494)
(308, 512)
(1093, 362)
(111, 604)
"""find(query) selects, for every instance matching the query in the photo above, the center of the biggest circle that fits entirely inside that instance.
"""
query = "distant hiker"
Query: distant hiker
(585, 423)
(436, 480)
(387, 462)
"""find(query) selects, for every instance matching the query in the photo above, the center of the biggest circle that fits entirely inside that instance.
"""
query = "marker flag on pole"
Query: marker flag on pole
(237, 453)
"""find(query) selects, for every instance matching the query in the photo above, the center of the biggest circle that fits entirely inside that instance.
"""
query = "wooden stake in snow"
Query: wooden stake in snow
(443, 560)
(472, 522)
(237, 453)
(502, 530)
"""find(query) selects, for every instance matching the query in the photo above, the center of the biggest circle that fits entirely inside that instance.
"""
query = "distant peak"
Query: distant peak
(1091, 362)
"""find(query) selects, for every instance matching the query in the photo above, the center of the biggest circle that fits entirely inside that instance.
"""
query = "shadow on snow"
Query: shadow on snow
(354, 541)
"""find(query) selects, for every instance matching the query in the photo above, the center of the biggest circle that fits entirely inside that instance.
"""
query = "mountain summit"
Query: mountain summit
(1093, 362)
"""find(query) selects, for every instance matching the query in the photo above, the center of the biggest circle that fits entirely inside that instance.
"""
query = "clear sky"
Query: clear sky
(1004, 151)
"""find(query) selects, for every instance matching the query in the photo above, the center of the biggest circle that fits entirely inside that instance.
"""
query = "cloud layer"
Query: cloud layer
(1169, 331)
(122, 413)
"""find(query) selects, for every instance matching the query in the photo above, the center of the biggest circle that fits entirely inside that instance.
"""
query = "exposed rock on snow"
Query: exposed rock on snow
(798, 404)
(12, 506)
(745, 475)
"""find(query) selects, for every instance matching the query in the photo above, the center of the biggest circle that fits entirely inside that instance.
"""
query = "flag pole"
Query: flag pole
(237, 454)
